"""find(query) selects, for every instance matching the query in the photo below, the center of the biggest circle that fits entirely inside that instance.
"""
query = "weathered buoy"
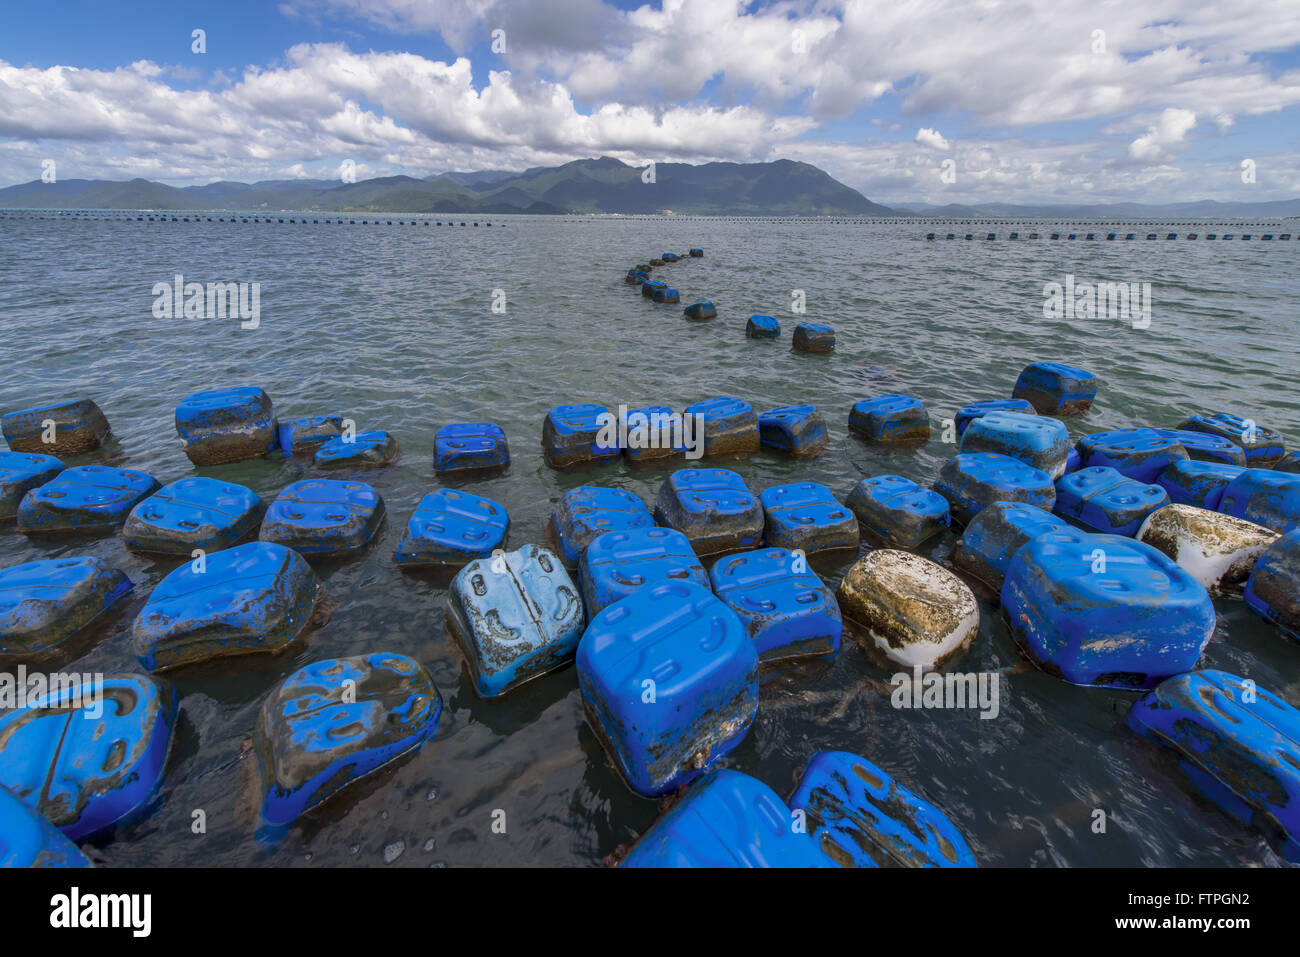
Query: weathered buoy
(861, 817)
(585, 512)
(666, 294)
(897, 512)
(252, 598)
(372, 449)
(968, 413)
(916, 612)
(20, 472)
(64, 428)
(44, 603)
(1273, 589)
(669, 679)
(1218, 550)
(806, 515)
(515, 616)
(1205, 446)
(305, 436)
(890, 418)
(1103, 500)
(1054, 388)
(1288, 463)
(335, 721)
(995, 535)
(226, 425)
(1263, 447)
(451, 528)
(701, 311)
(1038, 441)
(712, 508)
(727, 819)
(654, 433)
(651, 286)
(1198, 483)
(730, 425)
(192, 513)
(1138, 454)
(579, 435)
(1265, 497)
(470, 446)
(783, 605)
(762, 327)
(324, 517)
(1237, 744)
(696, 253)
(27, 839)
(616, 564)
(87, 499)
(973, 480)
(813, 337)
(90, 758)
(1104, 610)
(797, 430)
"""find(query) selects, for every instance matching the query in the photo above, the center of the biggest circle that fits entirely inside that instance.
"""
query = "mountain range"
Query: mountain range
(604, 185)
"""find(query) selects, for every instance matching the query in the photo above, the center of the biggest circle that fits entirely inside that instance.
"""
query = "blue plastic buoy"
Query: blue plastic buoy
(1265, 497)
(1054, 388)
(252, 598)
(995, 535)
(64, 428)
(46, 602)
(583, 434)
(20, 472)
(968, 413)
(335, 721)
(973, 480)
(470, 446)
(890, 419)
(703, 693)
(27, 839)
(1273, 590)
(305, 436)
(451, 528)
(813, 337)
(1195, 483)
(324, 517)
(797, 430)
(897, 512)
(372, 449)
(192, 513)
(616, 564)
(806, 515)
(1104, 610)
(730, 425)
(1139, 454)
(786, 609)
(1103, 500)
(516, 616)
(87, 499)
(712, 507)
(1237, 744)
(727, 819)
(89, 757)
(587, 511)
(861, 817)
(226, 425)
(1038, 441)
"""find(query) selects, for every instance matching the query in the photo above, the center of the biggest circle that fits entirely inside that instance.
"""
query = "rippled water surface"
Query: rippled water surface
(393, 327)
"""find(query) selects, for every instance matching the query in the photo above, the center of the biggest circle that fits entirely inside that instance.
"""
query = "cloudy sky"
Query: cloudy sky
(1029, 100)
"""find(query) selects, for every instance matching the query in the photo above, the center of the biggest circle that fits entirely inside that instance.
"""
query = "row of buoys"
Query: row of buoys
(1112, 236)
(811, 337)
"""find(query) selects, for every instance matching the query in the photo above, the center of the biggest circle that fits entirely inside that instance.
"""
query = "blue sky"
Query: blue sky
(1031, 101)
